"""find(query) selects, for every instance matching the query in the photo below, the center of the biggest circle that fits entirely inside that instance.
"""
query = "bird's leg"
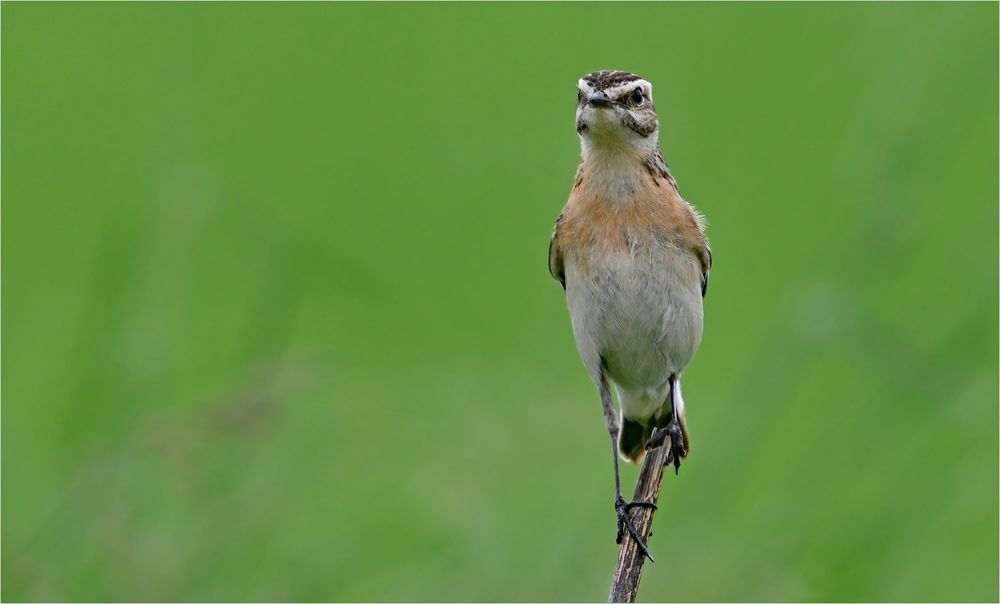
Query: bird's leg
(678, 448)
(622, 507)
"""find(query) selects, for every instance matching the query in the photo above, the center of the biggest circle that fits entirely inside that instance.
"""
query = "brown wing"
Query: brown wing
(556, 268)
(705, 255)
(700, 246)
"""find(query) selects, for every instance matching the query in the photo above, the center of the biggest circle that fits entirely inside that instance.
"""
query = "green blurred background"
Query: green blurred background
(277, 322)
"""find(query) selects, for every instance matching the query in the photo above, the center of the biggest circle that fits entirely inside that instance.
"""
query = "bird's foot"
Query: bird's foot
(678, 448)
(622, 509)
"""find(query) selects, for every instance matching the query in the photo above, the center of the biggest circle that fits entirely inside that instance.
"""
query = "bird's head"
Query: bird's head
(615, 112)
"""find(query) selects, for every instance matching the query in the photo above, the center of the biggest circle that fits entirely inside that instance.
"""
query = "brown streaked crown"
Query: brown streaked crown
(602, 80)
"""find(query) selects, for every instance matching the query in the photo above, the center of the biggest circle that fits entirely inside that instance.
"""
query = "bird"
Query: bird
(634, 260)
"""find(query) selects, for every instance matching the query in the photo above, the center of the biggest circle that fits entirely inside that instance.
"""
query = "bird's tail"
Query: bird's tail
(633, 434)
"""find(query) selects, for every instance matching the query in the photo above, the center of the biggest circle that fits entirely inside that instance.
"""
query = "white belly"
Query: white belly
(639, 313)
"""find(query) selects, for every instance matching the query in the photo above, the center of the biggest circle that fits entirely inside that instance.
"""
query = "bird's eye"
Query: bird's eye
(636, 96)
(579, 96)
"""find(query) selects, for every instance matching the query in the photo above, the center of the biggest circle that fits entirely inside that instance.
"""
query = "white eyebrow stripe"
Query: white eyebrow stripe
(628, 86)
(584, 87)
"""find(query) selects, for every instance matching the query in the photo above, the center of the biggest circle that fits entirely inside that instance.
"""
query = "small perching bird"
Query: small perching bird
(634, 260)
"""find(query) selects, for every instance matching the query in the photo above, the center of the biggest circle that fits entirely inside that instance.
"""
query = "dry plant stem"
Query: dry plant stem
(628, 571)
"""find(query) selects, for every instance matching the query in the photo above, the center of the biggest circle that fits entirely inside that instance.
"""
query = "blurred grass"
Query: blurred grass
(277, 324)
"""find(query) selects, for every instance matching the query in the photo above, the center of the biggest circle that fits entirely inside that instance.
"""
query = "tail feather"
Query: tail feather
(634, 434)
(687, 439)
(678, 406)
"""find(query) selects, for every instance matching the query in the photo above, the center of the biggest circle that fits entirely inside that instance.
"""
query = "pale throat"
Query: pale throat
(616, 170)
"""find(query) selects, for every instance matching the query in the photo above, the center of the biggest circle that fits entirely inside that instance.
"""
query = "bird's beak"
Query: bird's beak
(599, 99)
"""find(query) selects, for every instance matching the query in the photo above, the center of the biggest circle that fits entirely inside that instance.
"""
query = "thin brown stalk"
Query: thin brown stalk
(628, 570)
